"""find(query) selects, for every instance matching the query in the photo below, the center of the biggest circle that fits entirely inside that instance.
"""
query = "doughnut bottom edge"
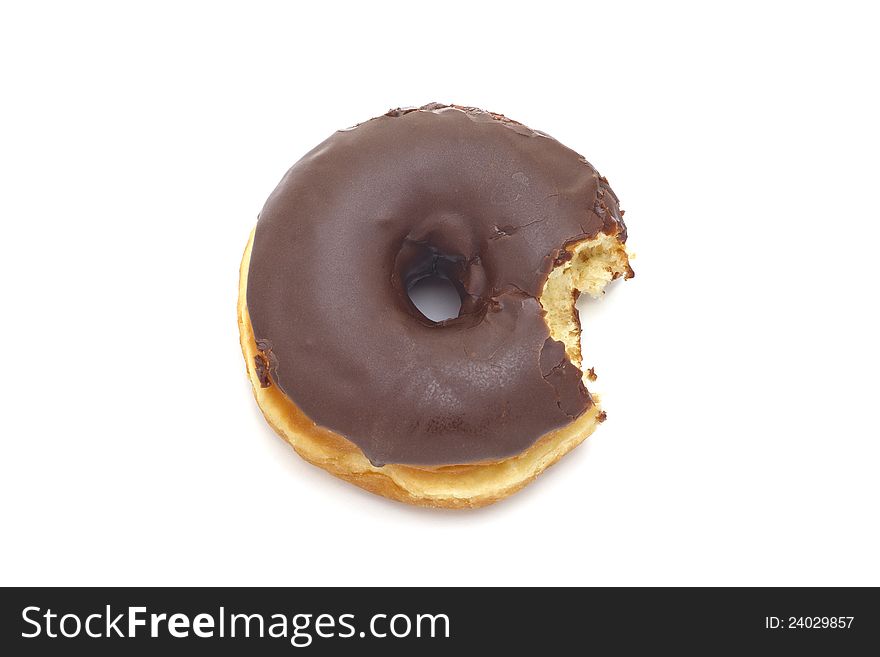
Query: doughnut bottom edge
(452, 486)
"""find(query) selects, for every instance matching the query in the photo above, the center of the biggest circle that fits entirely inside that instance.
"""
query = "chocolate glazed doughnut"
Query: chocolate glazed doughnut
(457, 413)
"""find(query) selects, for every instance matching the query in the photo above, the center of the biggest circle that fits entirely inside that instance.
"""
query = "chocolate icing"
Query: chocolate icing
(440, 190)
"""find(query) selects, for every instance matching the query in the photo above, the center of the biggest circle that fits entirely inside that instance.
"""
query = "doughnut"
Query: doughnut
(456, 413)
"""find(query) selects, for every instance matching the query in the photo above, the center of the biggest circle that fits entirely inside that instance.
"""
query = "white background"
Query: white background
(738, 369)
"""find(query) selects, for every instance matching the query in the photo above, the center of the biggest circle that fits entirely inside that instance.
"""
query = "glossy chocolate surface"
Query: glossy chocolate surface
(441, 190)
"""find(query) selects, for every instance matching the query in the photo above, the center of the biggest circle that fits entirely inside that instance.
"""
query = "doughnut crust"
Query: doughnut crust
(448, 464)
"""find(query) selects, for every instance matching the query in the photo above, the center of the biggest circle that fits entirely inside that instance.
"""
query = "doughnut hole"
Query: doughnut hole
(593, 264)
(436, 297)
(438, 288)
